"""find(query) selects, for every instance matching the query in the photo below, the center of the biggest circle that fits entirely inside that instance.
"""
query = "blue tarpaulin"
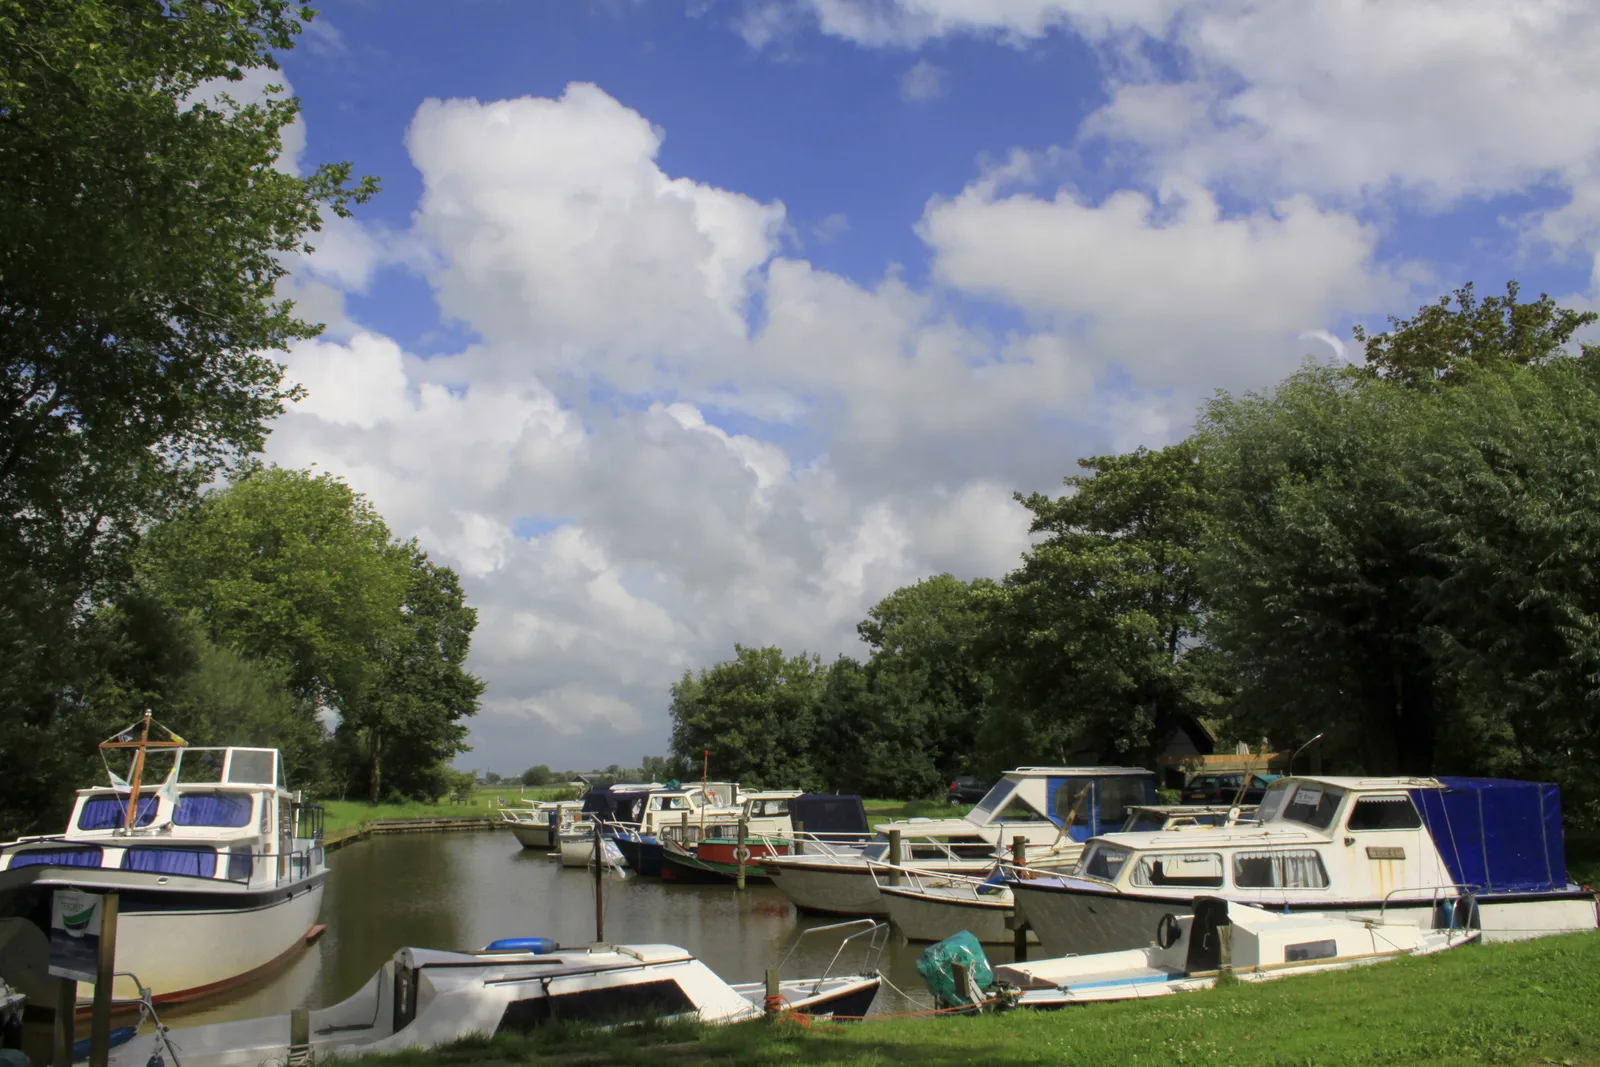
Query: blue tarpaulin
(1497, 835)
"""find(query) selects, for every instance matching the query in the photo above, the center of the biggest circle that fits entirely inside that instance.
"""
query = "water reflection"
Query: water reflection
(463, 890)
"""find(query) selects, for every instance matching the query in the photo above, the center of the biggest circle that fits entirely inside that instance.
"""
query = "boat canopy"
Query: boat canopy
(830, 816)
(1497, 834)
(1096, 799)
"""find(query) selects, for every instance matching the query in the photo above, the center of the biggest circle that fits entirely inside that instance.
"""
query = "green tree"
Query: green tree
(905, 722)
(1093, 643)
(536, 775)
(145, 228)
(755, 712)
(1401, 558)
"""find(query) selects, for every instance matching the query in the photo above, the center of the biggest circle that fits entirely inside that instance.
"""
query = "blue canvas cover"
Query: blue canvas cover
(1108, 803)
(1496, 834)
(830, 816)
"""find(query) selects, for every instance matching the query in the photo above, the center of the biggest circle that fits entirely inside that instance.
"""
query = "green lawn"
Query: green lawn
(1537, 1002)
(888, 810)
(341, 814)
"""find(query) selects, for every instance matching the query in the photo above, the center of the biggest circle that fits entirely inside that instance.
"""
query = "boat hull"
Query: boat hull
(828, 889)
(1075, 921)
(922, 916)
(577, 851)
(531, 836)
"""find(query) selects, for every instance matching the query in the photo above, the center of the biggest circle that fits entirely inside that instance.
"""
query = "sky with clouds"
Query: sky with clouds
(681, 323)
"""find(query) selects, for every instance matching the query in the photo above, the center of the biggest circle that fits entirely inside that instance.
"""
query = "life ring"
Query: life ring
(1168, 931)
(741, 854)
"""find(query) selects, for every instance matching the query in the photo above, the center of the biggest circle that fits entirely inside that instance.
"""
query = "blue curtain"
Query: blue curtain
(212, 809)
(241, 864)
(57, 857)
(107, 813)
(201, 863)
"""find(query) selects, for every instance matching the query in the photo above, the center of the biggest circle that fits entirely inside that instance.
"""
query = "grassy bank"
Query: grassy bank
(341, 814)
(889, 810)
(1536, 1002)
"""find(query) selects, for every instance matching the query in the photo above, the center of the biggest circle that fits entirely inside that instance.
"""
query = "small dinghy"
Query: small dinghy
(423, 998)
(1190, 951)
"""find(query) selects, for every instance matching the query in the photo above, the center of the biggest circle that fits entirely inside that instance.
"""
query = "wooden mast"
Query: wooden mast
(139, 748)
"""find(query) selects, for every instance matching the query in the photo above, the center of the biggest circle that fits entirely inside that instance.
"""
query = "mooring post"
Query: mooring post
(774, 1002)
(894, 857)
(104, 976)
(1019, 929)
(799, 845)
(299, 1037)
(739, 854)
(66, 1018)
(599, 888)
(1225, 949)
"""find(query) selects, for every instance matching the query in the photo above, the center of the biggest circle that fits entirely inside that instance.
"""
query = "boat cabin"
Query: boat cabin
(220, 813)
(1333, 839)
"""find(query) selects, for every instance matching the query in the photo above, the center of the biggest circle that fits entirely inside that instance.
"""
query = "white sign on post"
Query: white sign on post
(75, 934)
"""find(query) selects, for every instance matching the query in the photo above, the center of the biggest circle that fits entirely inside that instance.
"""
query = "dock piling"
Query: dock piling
(895, 857)
(1019, 930)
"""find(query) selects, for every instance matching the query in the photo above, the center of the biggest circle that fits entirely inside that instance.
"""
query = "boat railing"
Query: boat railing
(875, 931)
(1461, 889)
(920, 880)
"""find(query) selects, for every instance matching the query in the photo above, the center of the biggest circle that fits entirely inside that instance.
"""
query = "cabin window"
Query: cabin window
(195, 862)
(1070, 800)
(961, 847)
(1192, 870)
(1117, 795)
(996, 797)
(212, 809)
(1297, 869)
(1272, 801)
(620, 1003)
(252, 766)
(85, 856)
(241, 864)
(1313, 804)
(1384, 813)
(1103, 862)
(1144, 822)
(108, 812)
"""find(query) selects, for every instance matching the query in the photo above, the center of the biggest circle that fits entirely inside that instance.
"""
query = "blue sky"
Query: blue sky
(889, 261)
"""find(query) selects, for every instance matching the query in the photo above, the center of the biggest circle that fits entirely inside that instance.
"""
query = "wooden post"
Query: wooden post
(105, 975)
(1225, 948)
(599, 887)
(963, 983)
(739, 854)
(799, 845)
(774, 1002)
(1019, 930)
(66, 1020)
(299, 1037)
(895, 855)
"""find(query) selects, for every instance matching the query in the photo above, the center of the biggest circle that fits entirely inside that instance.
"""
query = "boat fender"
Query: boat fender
(536, 945)
(742, 854)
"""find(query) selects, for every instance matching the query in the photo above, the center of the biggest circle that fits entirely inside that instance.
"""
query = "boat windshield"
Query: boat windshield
(995, 799)
(1272, 801)
(1313, 804)
(1102, 861)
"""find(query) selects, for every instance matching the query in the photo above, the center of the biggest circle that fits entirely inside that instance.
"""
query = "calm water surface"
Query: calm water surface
(463, 890)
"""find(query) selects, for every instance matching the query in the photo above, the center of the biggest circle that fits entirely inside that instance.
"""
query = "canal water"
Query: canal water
(464, 890)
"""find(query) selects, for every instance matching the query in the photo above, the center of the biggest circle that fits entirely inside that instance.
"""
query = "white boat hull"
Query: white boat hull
(931, 916)
(529, 835)
(577, 851)
(829, 889)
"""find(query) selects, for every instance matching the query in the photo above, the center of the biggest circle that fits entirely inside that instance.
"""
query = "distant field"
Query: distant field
(341, 814)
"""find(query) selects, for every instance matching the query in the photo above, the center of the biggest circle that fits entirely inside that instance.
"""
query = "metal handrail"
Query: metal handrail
(876, 929)
(1465, 888)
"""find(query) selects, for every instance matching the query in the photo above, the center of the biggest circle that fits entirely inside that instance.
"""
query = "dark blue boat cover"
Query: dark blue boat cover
(615, 805)
(830, 816)
(1497, 834)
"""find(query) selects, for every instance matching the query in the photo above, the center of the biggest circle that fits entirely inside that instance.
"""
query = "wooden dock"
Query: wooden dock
(339, 838)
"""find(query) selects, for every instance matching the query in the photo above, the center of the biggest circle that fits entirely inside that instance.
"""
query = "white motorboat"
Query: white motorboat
(530, 823)
(927, 906)
(423, 998)
(218, 877)
(1188, 952)
(1048, 807)
(1423, 850)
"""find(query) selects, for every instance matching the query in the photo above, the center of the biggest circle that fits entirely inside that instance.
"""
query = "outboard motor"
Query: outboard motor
(1205, 938)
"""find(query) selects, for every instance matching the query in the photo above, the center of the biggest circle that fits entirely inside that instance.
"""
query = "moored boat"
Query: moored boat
(1047, 807)
(219, 871)
(423, 998)
(530, 823)
(1422, 850)
(1184, 953)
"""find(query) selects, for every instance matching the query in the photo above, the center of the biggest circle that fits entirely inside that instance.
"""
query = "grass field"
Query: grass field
(1535, 1002)
(341, 814)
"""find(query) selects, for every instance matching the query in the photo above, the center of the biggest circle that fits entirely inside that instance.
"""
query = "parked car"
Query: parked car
(1212, 788)
(969, 789)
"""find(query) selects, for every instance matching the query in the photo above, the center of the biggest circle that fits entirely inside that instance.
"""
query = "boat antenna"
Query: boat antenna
(143, 744)
(1299, 750)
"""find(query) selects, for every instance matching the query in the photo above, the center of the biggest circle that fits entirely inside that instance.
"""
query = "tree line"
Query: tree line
(1400, 555)
(149, 559)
